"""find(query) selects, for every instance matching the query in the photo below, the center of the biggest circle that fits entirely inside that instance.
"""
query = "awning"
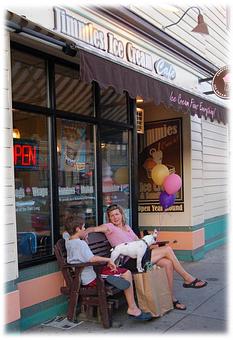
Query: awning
(108, 73)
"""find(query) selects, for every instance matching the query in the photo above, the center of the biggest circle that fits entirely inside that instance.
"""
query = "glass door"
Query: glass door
(76, 170)
(115, 169)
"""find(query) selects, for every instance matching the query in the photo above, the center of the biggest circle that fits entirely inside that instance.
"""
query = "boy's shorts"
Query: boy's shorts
(107, 271)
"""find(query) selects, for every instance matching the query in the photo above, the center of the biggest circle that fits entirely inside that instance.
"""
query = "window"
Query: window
(113, 105)
(140, 120)
(115, 168)
(71, 94)
(28, 79)
(32, 186)
(64, 132)
(76, 170)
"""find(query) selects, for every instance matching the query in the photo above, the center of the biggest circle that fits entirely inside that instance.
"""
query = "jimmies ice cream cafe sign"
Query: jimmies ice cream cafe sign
(95, 38)
(105, 42)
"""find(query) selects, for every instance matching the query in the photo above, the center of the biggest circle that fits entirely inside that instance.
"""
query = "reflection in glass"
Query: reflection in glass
(71, 93)
(115, 169)
(29, 83)
(32, 193)
(113, 105)
(76, 171)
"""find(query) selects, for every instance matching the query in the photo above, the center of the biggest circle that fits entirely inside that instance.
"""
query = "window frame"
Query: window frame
(52, 113)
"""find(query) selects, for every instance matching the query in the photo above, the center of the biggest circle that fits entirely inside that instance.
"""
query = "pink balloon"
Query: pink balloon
(172, 184)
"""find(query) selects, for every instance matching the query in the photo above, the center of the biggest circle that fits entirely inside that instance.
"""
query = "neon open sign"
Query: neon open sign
(26, 154)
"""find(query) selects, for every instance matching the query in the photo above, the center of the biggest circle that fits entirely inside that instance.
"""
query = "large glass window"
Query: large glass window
(71, 94)
(113, 105)
(115, 169)
(32, 185)
(33, 78)
(76, 170)
(29, 83)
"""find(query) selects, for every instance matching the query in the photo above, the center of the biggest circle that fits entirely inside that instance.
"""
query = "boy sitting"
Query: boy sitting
(79, 252)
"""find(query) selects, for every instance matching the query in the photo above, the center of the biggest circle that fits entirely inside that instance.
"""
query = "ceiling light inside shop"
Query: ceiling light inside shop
(139, 100)
(16, 133)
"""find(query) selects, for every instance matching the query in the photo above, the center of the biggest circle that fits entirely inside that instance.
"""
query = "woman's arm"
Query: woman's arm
(100, 229)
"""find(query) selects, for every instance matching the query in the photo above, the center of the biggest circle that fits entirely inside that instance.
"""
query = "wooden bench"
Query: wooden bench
(104, 296)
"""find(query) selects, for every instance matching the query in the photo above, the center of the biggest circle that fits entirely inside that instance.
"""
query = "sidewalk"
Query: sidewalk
(206, 307)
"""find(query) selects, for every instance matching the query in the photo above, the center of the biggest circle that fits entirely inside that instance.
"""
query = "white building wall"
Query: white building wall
(215, 168)
(7, 198)
(213, 47)
(210, 160)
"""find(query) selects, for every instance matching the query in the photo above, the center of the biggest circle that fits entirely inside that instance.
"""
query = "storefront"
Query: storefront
(74, 85)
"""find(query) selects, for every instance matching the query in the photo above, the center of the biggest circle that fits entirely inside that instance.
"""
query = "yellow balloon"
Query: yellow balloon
(159, 173)
(121, 176)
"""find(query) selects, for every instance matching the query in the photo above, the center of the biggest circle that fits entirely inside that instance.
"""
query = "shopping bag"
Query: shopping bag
(153, 292)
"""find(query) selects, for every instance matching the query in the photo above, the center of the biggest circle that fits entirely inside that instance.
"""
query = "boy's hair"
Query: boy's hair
(72, 222)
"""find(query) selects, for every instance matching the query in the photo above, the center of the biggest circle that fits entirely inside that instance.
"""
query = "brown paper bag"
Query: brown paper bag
(153, 292)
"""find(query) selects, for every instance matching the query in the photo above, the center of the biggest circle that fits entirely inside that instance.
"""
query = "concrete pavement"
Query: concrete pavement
(207, 308)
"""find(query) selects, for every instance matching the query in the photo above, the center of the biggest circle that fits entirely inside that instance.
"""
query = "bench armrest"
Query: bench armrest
(84, 264)
(78, 267)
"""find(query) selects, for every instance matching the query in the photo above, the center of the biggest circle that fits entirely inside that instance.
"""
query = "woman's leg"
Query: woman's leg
(167, 252)
(129, 295)
(168, 266)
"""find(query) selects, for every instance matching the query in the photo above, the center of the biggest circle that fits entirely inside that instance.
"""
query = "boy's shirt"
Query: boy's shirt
(79, 252)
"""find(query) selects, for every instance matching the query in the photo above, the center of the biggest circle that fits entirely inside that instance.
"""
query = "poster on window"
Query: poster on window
(73, 148)
(160, 144)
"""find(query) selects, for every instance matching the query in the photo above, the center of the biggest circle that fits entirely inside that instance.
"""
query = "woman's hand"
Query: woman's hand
(88, 230)
(152, 246)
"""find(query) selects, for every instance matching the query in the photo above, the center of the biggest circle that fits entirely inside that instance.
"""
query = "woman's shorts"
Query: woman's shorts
(131, 264)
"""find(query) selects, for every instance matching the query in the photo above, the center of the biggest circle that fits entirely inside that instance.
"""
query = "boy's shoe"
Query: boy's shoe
(118, 282)
(144, 316)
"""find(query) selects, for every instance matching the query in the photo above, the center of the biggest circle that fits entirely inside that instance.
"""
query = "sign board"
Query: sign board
(26, 154)
(221, 83)
(161, 144)
(89, 35)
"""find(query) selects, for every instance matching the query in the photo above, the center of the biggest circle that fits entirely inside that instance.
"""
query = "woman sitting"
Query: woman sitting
(117, 232)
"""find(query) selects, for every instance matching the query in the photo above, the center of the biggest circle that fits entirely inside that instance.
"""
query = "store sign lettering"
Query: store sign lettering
(115, 47)
(107, 42)
(193, 104)
(25, 154)
(165, 69)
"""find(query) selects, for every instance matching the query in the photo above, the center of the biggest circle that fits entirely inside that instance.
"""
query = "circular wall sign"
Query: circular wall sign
(221, 83)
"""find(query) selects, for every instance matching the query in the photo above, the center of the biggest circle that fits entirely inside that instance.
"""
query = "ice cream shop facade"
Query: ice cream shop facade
(93, 105)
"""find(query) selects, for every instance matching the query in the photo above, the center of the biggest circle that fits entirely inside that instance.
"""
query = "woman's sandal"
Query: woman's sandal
(193, 284)
(176, 304)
